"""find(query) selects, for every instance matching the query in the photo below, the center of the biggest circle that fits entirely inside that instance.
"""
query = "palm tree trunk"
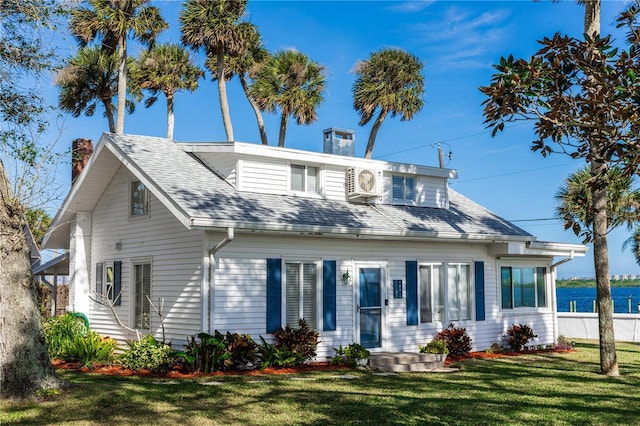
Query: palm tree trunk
(24, 362)
(283, 128)
(170, 117)
(122, 84)
(222, 90)
(256, 110)
(108, 110)
(374, 133)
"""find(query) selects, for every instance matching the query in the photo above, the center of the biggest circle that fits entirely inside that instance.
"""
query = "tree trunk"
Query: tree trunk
(256, 110)
(122, 84)
(108, 110)
(374, 133)
(25, 367)
(592, 17)
(608, 359)
(222, 91)
(283, 128)
(170, 116)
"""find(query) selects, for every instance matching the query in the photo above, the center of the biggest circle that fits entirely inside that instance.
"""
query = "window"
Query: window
(445, 297)
(304, 178)
(108, 283)
(142, 293)
(139, 199)
(301, 293)
(403, 188)
(523, 287)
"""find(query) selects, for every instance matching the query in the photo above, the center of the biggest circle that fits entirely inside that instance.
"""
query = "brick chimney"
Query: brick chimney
(81, 150)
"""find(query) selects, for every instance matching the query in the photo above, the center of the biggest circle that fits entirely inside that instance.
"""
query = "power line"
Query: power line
(514, 173)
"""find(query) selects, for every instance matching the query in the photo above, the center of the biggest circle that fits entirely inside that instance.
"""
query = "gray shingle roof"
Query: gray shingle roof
(207, 199)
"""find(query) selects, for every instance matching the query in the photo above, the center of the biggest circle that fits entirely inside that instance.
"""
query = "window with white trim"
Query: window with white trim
(444, 296)
(403, 188)
(523, 287)
(142, 294)
(301, 293)
(305, 178)
(139, 201)
(106, 281)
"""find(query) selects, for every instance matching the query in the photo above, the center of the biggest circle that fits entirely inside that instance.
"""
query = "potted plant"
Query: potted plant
(354, 355)
(437, 347)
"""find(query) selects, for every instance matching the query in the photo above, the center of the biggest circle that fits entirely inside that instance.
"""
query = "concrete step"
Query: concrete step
(406, 361)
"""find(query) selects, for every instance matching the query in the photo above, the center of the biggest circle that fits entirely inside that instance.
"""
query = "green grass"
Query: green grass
(542, 389)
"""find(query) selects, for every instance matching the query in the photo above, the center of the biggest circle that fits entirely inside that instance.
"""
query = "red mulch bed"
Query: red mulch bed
(178, 373)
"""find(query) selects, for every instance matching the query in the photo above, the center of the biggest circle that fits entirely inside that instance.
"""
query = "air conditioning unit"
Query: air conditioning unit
(363, 183)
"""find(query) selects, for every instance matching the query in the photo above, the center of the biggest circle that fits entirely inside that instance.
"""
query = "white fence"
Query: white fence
(584, 325)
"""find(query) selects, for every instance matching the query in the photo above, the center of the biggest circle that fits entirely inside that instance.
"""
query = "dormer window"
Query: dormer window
(403, 188)
(304, 178)
(139, 203)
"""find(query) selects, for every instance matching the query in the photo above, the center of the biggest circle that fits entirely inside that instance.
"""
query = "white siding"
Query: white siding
(240, 289)
(334, 183)
(430, 191)
(266, 176)
(223, 163)
(175, 254)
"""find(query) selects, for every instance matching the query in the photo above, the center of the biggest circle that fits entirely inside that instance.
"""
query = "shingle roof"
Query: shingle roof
(205, 198)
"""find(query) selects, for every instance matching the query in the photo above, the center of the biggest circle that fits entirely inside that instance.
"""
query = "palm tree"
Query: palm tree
(112, 22)
(246, 65)
(215, 26)
(575, 201)
(167, 68)
(389, 82)
(293, 83)
(89, 78)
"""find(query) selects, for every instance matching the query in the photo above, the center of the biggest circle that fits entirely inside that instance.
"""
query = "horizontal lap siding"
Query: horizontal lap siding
(334, 188)
(240, 288)
(265, 176)
(175, 254)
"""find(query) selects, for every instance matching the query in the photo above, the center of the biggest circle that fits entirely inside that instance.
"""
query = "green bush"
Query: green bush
(518, 336)
(301, 341)
(148, 354)
(436, 346)
(88, 349)
(350, 355)
(206, 355)
(59, 330)
(272, 356)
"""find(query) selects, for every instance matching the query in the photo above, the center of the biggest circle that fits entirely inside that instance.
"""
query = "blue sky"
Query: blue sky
(458, 41)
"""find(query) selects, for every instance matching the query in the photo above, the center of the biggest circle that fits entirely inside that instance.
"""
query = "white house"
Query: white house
(247, 238)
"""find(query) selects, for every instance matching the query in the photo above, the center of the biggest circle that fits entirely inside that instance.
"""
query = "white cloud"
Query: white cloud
(412, 6)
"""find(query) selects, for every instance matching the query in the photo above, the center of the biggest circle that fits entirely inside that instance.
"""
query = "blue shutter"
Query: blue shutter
(479, 276)
(117, 282)
(412, 292)
(329, 295)
(274, 294)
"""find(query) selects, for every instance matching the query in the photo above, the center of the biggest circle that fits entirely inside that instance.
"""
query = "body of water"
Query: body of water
(584, 298)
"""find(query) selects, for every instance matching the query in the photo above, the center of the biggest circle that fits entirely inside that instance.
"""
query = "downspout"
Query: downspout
(212, 263)
(553, 293)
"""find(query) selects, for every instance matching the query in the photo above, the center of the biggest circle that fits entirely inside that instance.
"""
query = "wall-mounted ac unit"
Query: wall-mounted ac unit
(363, 183)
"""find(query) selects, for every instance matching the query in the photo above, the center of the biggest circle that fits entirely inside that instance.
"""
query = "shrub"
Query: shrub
(350, 355)
(458, 342)
(88, 349)
(242, 351)
(207, 355)
(301, 341)
(148, 354)
(59, 330)
(272, 356)
(518, 336)
(563, 344)
(436, 346)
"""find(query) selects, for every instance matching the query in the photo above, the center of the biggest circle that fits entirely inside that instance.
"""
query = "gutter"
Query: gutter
(208, 283)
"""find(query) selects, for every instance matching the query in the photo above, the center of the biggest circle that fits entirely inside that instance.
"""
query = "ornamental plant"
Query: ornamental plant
(457, 340)
(518, 336)
(148, 354)
(350, 355)
(301, 341)
(436, 346)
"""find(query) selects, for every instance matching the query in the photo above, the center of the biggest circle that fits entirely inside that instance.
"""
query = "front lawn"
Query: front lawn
(548, 388)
